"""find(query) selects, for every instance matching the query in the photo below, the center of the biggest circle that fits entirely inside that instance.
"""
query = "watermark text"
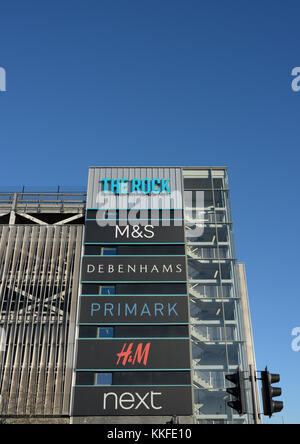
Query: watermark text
(296, 341)
(2, 79)
(296, 80)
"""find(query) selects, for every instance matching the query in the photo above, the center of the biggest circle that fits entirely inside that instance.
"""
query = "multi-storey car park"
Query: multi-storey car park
(110, 315)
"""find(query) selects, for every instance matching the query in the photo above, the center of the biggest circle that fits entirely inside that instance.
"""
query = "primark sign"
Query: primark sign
(130, 309)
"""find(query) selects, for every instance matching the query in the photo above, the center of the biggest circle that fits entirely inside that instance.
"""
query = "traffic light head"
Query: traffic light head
(238, 392)
(273, 377)
(268, 393)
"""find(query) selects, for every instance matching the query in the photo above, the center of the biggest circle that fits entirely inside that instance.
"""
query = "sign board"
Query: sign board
(118, 201)
(133, 268)
(130, 309)
(132, 401)
(95, 233)
(133, 354)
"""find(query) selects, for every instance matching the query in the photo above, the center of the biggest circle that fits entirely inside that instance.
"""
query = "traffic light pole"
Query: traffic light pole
(253, 393)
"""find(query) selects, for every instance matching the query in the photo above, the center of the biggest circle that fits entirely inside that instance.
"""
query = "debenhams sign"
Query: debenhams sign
(150, 268)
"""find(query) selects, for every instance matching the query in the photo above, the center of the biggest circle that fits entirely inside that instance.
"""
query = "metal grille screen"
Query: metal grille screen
(39, 268)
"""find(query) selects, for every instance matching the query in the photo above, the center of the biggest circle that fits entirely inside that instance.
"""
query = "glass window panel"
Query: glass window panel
(211, 402)
(214, 333)
(210, 291)
(210, 379)
(107, 290)
(197, 184)
(109, 251)
(219, 199)
(218, 183)
(199, 269)
(105, 332)
(221, 216)
(206, 215)
(196, 252)
(233, 354)
(207, 235)
(209, 354)
(212, 310)
(206, 354)
(103, 379)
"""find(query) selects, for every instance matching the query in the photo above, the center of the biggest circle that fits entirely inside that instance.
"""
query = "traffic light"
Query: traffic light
(238, 392)
(268, 392)
(173, 420)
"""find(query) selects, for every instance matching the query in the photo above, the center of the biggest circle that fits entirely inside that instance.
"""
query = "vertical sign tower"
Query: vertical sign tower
(133, 344)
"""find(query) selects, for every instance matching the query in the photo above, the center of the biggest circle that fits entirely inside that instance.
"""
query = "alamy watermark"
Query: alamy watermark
(296, 341)
(150, 211)
(296, 81)
(2, 79)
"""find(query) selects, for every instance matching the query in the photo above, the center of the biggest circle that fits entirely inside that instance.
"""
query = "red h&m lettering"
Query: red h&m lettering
(129, 356)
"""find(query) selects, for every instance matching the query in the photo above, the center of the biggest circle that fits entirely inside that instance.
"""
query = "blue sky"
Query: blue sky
(172, 82)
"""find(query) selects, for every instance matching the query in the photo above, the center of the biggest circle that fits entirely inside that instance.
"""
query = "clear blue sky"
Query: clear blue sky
(160, 82)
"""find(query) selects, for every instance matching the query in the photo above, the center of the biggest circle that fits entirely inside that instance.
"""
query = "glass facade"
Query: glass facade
(216, 323)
